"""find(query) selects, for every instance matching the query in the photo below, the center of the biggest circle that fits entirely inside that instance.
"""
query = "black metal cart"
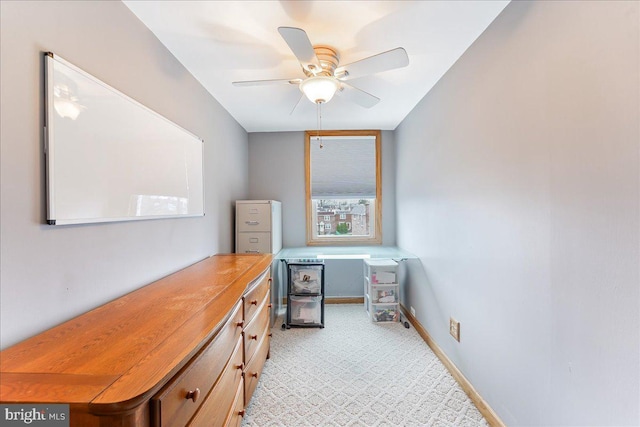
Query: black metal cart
(305, 294)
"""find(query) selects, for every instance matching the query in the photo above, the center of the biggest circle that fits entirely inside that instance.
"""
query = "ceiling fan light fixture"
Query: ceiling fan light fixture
(319, 89)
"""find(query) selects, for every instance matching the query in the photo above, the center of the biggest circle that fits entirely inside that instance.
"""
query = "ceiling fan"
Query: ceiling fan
(324, 76)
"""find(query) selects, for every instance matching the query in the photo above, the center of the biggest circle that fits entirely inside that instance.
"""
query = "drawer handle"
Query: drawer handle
(240, 324)
(253, 251)
(240, 366)
(252, 222)
(241, 413)
(253, 337)
(254, 302)
(193, 394)
(254, 375)
(270, 305)
(270, 334)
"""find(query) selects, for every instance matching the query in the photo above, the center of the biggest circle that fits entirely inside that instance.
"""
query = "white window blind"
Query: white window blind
(345, 168)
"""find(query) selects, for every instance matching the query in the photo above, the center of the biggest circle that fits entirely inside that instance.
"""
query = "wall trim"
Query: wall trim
(336, 300)
(344, 300)
(484, 408)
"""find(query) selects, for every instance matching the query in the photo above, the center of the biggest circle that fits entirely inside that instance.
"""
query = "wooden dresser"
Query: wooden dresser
(187, 349)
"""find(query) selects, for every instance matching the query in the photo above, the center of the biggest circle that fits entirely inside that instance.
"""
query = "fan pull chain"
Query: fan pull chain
(319, 127)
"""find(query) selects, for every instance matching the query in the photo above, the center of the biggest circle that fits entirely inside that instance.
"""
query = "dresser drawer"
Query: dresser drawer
(176, 403)
(234, 419)
(253, 242)
(255, 296)
(253, 369)
(256, 329)
(253, 216)
(216, 409)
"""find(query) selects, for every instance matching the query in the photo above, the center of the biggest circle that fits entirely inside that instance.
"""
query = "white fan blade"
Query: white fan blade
(358, 96)
(267, 82)
(389, 60)
(301, 47)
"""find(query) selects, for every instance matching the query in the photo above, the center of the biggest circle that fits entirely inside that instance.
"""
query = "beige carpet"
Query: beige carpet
(356, 373)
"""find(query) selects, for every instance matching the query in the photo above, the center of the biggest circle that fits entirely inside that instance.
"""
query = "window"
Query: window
(343, 187)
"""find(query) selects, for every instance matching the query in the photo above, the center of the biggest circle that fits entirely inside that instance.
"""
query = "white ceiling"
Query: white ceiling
(224, 41)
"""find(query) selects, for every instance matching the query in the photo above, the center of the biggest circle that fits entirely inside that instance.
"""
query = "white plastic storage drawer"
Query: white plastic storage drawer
(385, 313)
(384, 294)
(253, 217)
(382, 276)
(305, 310)
(380, 271)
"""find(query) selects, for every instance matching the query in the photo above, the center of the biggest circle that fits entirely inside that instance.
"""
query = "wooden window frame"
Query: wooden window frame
(376, 239)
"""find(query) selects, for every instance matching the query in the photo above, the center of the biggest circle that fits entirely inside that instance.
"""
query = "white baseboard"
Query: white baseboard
(344, 300)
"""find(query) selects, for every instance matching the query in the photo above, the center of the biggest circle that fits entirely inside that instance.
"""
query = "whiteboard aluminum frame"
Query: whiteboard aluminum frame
(49, 142)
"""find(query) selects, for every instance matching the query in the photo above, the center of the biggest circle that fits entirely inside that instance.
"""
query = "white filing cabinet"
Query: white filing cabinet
(381, 290)
(258, 226)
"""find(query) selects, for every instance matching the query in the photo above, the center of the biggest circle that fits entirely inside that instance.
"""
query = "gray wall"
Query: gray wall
(276, 171)
(518, 189)
(49, 274)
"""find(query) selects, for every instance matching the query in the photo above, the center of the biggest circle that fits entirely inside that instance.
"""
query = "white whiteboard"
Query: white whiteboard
(109, 158)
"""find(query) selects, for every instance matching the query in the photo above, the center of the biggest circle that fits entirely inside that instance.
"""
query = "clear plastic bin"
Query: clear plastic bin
(380, 276)
(305, 310)
(380, 270)
(384, 294)
(382, 313)
(306, 279)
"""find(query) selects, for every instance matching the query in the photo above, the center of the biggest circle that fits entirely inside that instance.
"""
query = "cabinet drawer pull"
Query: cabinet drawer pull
(270, 305)
(254, 302)
(252, 222)
(253, 337)
(270, 334)
(240, 366)
(240, 324)
(241, 413)
(254, 375)
(193, 394)
(253, 251)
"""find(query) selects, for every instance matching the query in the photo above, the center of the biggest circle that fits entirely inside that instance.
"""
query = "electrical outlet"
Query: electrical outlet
(454, 328)
(413, 311)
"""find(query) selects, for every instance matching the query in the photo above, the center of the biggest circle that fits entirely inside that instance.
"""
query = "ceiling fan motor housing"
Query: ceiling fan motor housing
(329, 59)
